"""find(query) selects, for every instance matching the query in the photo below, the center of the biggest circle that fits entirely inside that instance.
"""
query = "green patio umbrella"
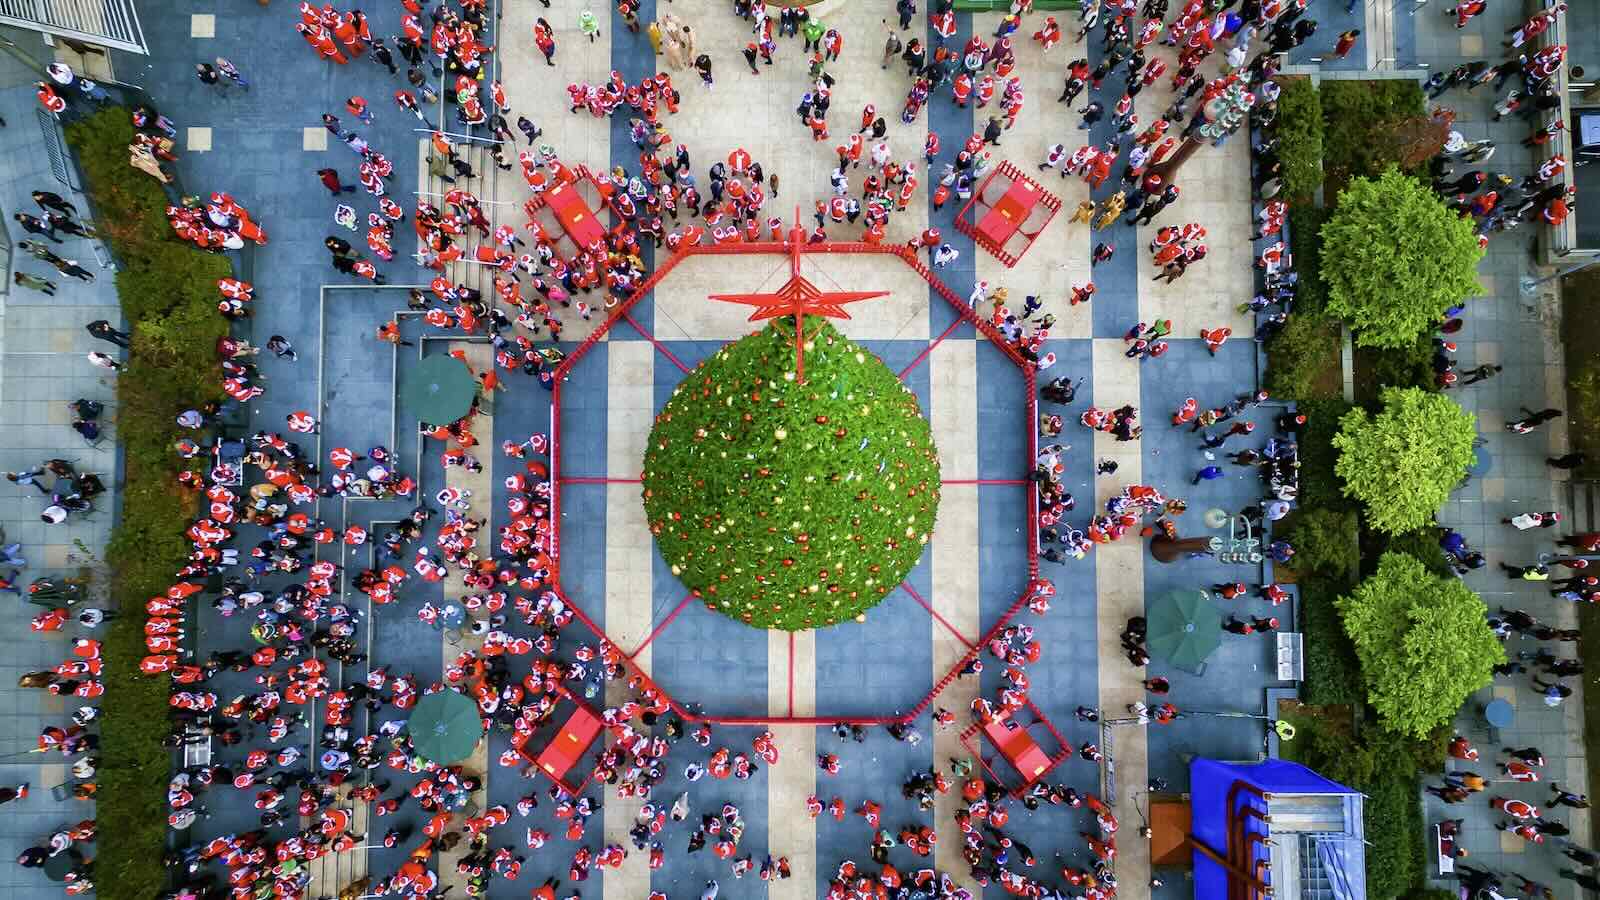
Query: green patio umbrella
(445, 726)
(439, 390)
(1185, 627)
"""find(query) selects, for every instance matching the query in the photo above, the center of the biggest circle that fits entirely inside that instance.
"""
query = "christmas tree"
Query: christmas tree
(788, 503)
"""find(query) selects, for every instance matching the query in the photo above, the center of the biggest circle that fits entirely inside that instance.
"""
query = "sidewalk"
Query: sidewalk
(43, 368)
(1523, 335)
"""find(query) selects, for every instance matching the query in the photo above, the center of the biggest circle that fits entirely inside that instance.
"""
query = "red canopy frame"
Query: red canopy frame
(1012, 740)
(567, 749)
(992, 226)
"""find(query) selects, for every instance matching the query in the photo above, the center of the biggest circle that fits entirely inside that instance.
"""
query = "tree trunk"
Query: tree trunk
(1168, 168)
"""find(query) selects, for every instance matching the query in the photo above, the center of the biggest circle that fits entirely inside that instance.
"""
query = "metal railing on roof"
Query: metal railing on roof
(108, 23)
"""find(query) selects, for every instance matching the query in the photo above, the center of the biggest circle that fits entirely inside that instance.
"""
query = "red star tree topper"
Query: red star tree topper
(798, 298)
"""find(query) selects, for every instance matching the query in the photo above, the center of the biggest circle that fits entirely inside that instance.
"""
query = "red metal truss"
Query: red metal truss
(622, 312)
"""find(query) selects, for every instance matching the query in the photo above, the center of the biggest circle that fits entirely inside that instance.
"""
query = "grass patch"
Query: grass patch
(167, 291)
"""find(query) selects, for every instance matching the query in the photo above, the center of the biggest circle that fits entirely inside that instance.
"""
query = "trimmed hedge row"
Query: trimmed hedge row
(1329, 133)
(1299, 136)
(167, 291)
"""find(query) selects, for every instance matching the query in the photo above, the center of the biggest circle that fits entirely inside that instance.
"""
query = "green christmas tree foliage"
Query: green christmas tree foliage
(788, 504)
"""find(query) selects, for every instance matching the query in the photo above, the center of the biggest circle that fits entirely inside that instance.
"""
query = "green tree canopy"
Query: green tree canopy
(1403, 462)
(1394, 258)
(1424, 643)
(791, 504)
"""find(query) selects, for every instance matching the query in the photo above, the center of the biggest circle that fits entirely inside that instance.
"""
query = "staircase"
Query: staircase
(1583, 501)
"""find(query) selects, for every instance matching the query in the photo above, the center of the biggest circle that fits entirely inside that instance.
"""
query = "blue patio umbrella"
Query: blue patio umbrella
(1499, 713)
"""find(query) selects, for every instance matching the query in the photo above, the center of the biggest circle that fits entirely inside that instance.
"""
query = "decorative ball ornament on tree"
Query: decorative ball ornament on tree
(789, 503)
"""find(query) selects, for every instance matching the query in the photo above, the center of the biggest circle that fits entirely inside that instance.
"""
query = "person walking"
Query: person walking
(102, 329)
(281, 347)
(544, 37)
(1209, 473)
(36, 225)
(8, 794)
(330, 180)
(1561, 797)
(208, 75)
(1532, 420)
(1567, 461)
(30, 477)
(1527, 520)
(1481, 373)
(589, 25)
(70, 268)
(231, 72)
(1346, 43)
(50, 201)
(66, 223)
(34, 282)
(382, 56)
(103, 361)
(1527, 573)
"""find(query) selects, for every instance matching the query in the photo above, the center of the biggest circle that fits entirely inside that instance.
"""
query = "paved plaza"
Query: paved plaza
(265, 145)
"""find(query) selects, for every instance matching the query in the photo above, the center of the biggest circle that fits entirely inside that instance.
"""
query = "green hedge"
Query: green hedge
(1303, 358)
(1404, 367)
(1335, 133)
(168, 295)
(1360, 119)
(1299, 132)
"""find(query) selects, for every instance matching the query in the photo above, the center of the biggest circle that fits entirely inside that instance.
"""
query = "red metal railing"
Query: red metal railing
(967, 225)
(622, 313)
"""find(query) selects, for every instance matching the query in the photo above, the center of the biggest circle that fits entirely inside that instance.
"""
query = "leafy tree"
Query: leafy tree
(1403, 462)
(1394, 258)
(1423, 641)
(785, 503)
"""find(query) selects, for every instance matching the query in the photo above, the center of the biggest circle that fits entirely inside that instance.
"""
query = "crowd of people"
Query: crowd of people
(255, 542)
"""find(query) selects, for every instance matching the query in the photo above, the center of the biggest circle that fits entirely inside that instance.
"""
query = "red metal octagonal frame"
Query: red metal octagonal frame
(964, 313)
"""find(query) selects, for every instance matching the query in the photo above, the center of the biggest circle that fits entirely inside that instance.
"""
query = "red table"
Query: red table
(1018, 747)
(1006, 216)
(577, 733)
(575, 216)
